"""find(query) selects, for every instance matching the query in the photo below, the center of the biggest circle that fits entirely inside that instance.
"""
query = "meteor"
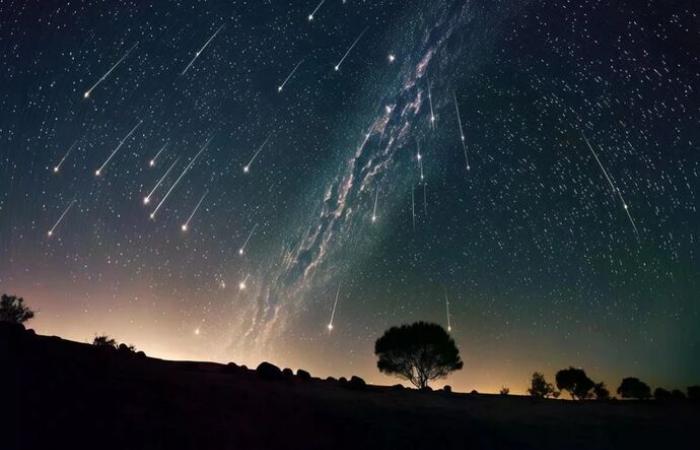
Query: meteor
(60, 219)
(241, 250)
(614, 188)
(147, 199)
(57, 167)
(374, 210)
(430, 100)
(461, 130)
(281, 86)
(103, 77)
(199, 52)
(337, 66)
(242, 284)
(246, 168)
(152, 162)
(98, 172)
(335, 305)
(187, 168)
(447, 310)
(419, 157)
(185, 226)
(311, 16)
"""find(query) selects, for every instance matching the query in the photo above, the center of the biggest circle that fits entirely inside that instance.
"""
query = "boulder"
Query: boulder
(356, 383)
(303, 375)
(268, 371)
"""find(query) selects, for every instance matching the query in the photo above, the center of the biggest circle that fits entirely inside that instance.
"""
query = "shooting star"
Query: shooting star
(242, 284)
(311, 16)
(152, 162)
(187, 168)
(241, 251)
(461, 130)
(281, 86)
(374, 209)
(60, 219)
(430, 100)
(103, 77)
(335, 305)
(199, 52)
(98, 172)
(337, 66)
(614, 188)
(447, 310)
(246, 168)
(185, 226)
(147, 199)
(419, 158)
(57, 167)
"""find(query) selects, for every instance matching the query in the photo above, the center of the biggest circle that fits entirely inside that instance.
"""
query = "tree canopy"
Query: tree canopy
(420, 352)
(632, 387)
(13, 309)
(576, 382)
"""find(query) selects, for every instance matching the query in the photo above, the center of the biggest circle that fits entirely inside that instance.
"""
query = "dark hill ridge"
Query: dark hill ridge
(64, 394)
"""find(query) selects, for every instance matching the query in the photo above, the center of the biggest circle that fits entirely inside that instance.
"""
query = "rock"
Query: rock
(474, 392)
(356, 383)
(287, 373)
(342, 380)
(269, 372)
(331, 379)
(303, 375)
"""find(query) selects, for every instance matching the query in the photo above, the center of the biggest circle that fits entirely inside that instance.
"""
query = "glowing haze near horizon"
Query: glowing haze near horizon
(552, 251)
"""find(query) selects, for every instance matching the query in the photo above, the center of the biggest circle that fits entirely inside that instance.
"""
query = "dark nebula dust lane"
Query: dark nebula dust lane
(285, 180)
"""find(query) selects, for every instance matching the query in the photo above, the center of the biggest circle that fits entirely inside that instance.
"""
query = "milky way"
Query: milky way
(552, 199)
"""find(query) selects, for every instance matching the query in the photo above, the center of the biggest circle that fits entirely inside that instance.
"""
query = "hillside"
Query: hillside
(64, 394)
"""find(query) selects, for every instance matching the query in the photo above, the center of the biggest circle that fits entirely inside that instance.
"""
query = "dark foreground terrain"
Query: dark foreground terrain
(63, 394)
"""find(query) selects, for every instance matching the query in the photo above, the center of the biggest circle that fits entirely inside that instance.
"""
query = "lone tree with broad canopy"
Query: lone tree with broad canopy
(420, 352)
(13, 309)
(576, 382)
(632, 387)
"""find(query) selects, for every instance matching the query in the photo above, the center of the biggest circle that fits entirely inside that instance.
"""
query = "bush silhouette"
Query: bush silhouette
(662, 394)
(539, 388)
(576, 382)
(303, 375)
(504, 391)
(601, 392)
(356, 383)
(13, 309)
(420, 352)
(634, 388)
(104, 341)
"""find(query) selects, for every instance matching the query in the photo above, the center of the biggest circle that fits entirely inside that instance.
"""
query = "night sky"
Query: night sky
(561, 230)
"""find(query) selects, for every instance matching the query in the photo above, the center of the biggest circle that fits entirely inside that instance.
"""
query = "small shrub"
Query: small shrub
(447, 388)
(504, 391)
(356, 383)
(303, 375)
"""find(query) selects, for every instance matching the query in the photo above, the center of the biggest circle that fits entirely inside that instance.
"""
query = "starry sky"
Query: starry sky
(224, 180)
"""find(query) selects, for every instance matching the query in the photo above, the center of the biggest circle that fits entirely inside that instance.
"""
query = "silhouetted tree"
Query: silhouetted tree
(104, 341)
(504, 391)
(13, 309)
(693, 393)
(634, 388)
(539, 387)
(576, 382)
(662, 394)
(420, 352)
(601, 392)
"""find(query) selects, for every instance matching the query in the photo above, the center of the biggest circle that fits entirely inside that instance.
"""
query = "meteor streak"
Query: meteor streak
(103, 77)
(185, 226)
(447, 310)
(337, 66)
(152, 162)
(242, 284)
(199, 52)
(281, 86)
(187, 168)
(246, 168)
(374, 210)
(430, 100)
(98, 172)
(614, 188)
(147, 199)
(335, 305)
(311, 16)
(57, 167)
(419, 157)
(65, 211)
(241, 250)
(461, 130)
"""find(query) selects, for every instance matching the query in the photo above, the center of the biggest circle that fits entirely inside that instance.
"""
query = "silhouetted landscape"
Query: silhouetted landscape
(64, 394)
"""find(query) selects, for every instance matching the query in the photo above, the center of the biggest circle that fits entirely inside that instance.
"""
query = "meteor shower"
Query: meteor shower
(330, 224)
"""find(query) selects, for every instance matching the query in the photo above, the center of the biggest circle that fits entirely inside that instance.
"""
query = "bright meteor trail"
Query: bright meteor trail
(246, 168)
(615, 190)
(281, 86)
(241, 250)
(199, 52)
(337, 66)
(186, 225)
(461, 130)
(153, 160)
(335, 305)
(103, 77)
(311, 16)
(57, 167)
(147, 199)
(65, 211)
(184, 172)
(447, 310)
(98, 172)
